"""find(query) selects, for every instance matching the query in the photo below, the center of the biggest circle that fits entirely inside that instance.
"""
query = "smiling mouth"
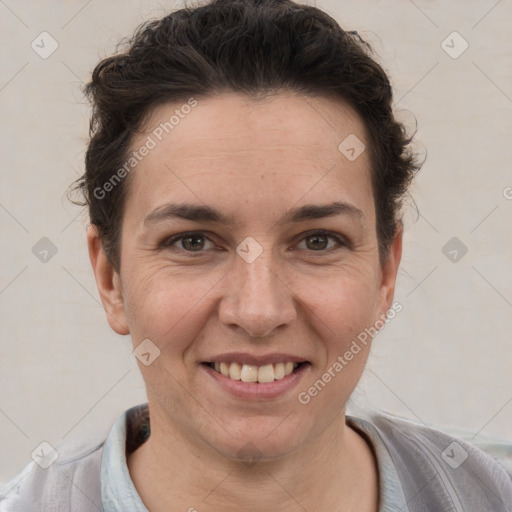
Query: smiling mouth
(255, 373)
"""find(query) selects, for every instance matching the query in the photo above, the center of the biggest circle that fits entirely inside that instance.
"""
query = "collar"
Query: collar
(391, 494)
(132, 429)
(127, 434)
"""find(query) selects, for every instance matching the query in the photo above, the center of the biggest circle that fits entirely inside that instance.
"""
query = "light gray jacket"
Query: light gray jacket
(421, 469)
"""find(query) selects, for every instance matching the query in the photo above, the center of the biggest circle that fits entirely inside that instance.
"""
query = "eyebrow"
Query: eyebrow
(198, 213)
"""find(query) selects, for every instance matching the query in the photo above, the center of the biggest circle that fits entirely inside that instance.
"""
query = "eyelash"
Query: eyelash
(168, 242)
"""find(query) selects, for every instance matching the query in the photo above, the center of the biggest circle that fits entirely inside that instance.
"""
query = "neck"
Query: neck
(336, 472)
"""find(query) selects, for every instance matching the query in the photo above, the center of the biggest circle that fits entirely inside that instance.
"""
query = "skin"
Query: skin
(254, 160)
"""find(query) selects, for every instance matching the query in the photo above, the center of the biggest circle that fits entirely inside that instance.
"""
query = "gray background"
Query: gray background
(445, 360)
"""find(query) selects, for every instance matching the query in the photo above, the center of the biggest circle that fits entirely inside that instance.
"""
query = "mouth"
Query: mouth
(252, 373)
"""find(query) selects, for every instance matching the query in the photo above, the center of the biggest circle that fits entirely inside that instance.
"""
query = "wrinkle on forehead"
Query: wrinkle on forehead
(285, 146)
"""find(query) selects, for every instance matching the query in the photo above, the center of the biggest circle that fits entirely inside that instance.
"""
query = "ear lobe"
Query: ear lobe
(389, 269)
(108, 283)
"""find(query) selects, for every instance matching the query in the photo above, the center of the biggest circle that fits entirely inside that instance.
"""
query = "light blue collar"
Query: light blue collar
(392, 498)
(119, 493)
(117, 489)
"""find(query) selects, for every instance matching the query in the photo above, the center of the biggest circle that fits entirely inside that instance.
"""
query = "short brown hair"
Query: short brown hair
(254, 47)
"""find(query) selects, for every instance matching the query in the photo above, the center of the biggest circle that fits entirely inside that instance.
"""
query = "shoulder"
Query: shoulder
(57, 479)
(438, 467)
(68, 476)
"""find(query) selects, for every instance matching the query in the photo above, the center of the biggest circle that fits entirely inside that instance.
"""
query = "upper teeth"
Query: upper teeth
(253, 373)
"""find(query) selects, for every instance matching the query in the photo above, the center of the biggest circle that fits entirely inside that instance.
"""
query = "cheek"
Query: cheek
(343, 300)
(163, 304)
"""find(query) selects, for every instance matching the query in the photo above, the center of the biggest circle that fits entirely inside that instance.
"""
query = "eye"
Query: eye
(197, 241)
(318, 241)
(190, 242)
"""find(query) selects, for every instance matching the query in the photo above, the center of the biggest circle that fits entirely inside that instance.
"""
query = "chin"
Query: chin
(258, 439)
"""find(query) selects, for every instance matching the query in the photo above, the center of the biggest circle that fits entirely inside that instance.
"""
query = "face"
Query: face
(272, 259)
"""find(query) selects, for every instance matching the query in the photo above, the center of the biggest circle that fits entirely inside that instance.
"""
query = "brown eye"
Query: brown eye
(188, 242)
(319, 241)
(193, 243)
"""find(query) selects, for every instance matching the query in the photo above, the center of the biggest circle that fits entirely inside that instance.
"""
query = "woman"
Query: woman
(244, 179)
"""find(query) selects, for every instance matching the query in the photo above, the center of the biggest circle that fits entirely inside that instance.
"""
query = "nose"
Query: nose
(258, 299)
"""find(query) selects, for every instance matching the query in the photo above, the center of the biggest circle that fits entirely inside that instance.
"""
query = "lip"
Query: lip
(257, 360)
(255, 390)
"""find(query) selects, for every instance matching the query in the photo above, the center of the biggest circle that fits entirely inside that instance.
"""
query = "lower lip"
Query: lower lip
(257, 390)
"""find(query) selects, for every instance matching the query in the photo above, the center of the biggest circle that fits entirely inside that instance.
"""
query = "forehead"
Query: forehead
(281, 147)
(237, 120)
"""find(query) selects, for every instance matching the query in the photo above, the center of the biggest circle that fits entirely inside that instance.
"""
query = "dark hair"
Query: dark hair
(254, 47)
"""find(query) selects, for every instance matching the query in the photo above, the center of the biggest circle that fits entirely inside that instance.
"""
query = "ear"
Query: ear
(108, 282)
(389, 270)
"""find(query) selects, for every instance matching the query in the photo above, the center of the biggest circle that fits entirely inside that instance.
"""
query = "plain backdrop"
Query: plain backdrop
(445, 360)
